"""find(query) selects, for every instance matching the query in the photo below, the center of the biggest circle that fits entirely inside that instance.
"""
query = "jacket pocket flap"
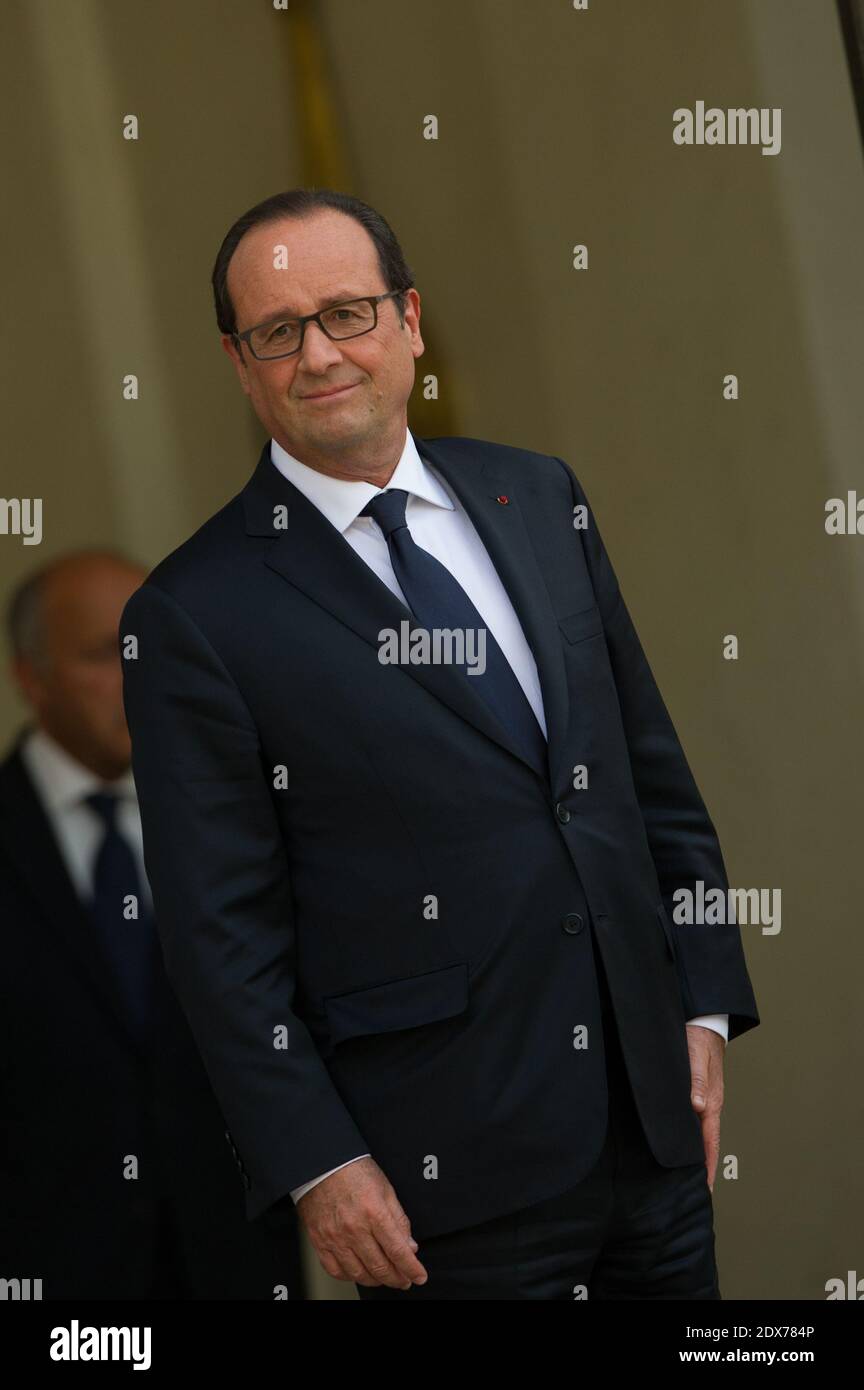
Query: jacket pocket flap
(586, 623)
(405, 1003)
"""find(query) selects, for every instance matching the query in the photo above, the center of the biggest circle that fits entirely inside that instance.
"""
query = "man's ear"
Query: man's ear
(412, 323)
(236, 355)
(28, 678)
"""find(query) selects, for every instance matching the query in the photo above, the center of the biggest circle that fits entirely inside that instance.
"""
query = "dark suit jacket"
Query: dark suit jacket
(77, 1095)
(375, 911)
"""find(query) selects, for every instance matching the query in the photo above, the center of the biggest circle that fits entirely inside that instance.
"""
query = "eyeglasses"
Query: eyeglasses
(281, 337)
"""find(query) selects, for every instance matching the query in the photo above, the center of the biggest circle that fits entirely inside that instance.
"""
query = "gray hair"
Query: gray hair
(25, 611)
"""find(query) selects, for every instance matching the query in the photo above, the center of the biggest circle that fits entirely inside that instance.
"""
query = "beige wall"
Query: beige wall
(555, 128)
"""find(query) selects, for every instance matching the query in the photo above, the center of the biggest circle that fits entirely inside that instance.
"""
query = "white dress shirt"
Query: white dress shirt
(438, 523)
(61, 784)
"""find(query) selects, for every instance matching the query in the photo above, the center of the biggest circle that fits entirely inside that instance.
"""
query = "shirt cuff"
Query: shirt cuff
(298, 1192)
(718, 1022)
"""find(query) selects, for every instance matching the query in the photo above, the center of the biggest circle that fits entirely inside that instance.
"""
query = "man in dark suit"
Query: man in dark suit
(414, 812)
(117, 1181)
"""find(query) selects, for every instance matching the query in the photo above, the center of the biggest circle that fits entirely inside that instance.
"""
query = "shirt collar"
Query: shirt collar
(342, 501)
(60, 779)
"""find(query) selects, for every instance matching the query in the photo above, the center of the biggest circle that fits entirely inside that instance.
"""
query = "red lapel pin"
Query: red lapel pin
(505, 501)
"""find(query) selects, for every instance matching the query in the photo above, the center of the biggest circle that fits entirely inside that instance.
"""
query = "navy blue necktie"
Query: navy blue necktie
(130, 943)
(437, 600)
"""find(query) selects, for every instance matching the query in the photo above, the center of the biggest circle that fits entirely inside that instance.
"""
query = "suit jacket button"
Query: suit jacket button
(562, 813)
(573, 923)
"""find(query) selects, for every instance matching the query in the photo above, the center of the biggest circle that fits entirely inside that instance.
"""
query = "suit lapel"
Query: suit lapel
(313, 556)
(28, 838)
(502, 529)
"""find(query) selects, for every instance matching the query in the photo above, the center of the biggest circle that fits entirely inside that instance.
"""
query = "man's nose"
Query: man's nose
(318, 351)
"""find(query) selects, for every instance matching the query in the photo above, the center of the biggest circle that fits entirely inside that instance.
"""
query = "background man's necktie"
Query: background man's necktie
(437, 600)
(130, 944)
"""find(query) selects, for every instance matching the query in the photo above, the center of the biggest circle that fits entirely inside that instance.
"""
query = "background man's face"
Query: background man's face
(75, 688)
(327, 254)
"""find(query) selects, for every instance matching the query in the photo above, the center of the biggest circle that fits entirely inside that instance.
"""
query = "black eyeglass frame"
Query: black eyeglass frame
(373, 299)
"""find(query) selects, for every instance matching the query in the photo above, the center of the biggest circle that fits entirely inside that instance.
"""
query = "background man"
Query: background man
(117, 1180)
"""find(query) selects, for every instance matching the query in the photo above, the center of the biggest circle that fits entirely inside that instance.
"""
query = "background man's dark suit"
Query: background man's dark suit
(443, 1045)
(76, 1095)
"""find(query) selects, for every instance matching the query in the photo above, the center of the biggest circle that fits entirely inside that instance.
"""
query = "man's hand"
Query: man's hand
(706, 1048)
(359, 1229)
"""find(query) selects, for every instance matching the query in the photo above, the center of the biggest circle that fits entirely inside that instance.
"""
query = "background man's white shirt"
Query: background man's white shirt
(61, 784)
